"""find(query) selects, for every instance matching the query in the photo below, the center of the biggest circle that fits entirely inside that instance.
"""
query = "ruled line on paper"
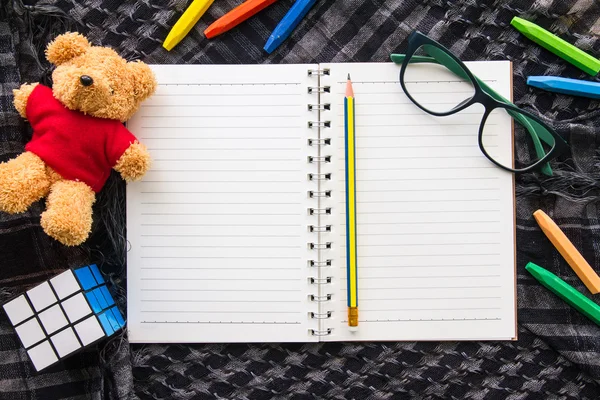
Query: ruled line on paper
(429, 298)
(229, 279)
(429, 277)
(222, 236)
(225, 83)
(221, 214)
(222, 149)
(222, 127)
(224, 322)
(218, 105)
(428, 320)
(217, 203)
(217, 301)
(253, 138)
(217, 312)
(220, 290)
(239, 193)
(217, 268)
(427, 287)
(228, 95)
(274, 246)
(223, 257)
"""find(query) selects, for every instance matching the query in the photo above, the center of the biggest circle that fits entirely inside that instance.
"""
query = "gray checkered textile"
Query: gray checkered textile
(557, 355)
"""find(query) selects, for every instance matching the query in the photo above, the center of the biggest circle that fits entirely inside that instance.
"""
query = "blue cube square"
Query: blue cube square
(106, 325)
(107, 296)
(85, 277)
(97, 274)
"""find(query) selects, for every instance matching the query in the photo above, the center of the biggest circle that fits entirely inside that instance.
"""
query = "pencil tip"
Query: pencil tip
(348, 76)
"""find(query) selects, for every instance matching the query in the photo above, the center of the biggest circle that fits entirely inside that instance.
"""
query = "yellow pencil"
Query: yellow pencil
(351, 248)
(186, 22)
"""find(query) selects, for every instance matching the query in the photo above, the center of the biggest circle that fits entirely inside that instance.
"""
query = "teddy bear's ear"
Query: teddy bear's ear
(65, 47)
(144, 80)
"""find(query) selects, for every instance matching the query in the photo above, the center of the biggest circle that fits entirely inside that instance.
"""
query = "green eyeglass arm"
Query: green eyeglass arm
(536, 134)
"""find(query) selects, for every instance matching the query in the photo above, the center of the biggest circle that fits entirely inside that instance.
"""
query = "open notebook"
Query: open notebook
(237, 232)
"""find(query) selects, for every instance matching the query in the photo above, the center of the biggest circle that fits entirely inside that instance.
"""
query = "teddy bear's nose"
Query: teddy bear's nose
(86, 80)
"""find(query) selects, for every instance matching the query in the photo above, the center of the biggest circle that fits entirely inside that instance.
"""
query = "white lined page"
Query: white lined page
(435, 217)
(218, 226)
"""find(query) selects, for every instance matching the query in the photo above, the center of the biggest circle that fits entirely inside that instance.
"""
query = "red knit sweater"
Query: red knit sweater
(77, 146)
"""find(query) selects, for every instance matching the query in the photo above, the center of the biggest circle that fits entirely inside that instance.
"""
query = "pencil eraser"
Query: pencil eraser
(53, 319)
(30, 332)
(41, 296)
(65, 342)
(65, 284)
(76, 307)
(18, 310)
(42, 355)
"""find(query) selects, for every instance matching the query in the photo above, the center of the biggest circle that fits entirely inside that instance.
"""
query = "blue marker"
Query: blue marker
(570, 86)
(288, 23)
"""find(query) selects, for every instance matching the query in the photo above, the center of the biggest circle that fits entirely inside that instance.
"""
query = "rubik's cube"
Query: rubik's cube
(63, 315)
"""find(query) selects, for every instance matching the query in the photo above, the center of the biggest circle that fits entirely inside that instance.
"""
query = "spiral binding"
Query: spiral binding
(319, 211)
(326, 106)
(321, 142)
(324, 71)
(315, 332)
(319, 89)
(325, 315)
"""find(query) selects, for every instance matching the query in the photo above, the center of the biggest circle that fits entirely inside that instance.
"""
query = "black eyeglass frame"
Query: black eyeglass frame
(481, 96)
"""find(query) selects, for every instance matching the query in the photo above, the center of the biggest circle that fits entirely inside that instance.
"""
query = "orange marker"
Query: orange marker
(564, 246)
(236, 16)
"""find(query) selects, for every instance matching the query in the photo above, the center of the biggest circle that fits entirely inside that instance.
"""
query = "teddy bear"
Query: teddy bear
(78, 136)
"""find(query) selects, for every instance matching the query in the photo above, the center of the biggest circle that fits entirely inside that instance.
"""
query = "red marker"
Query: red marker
(236, 16)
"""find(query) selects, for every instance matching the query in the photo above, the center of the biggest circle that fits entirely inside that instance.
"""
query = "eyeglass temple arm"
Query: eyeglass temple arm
(536, 134)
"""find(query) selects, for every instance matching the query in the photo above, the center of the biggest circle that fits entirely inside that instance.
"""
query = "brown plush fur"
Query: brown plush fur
(119, 86)
(68, 215)
(23, 181)
(134, 163)
(21, 97)
(117, 91)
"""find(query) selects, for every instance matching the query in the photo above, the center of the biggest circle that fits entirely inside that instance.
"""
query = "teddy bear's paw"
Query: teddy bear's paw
(68, 217)
(20, 97)
(23, 181)
(134, 163)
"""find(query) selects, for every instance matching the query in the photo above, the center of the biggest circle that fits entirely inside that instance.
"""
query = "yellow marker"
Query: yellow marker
(186, 22)
(564, 246)
(351, 256)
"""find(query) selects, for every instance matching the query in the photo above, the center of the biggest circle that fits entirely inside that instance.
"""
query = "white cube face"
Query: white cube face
(30, 332)
(18, 310)
(53, 319)
(41, 296)
(65, 284)
(42, 355)
(65, 342)
(89, 330)
(76, 307)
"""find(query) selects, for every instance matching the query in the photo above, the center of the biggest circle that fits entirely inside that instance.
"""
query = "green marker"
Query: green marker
(565, 291)
(556, 45)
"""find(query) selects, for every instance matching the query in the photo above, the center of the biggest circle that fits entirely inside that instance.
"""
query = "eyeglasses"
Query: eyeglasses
(543, 143)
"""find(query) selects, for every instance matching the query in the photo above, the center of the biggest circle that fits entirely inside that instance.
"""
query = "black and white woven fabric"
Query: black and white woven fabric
(557, 355)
